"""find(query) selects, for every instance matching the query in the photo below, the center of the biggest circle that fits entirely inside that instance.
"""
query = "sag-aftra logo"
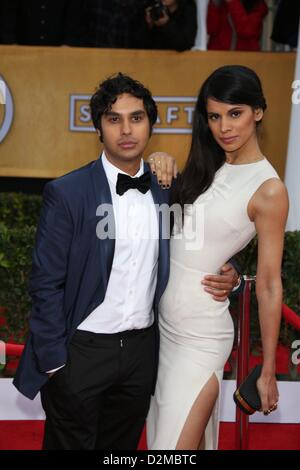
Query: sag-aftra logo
(6, 109)
(175, 114)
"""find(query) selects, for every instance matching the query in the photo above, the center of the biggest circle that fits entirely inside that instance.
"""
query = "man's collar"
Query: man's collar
(112, 171)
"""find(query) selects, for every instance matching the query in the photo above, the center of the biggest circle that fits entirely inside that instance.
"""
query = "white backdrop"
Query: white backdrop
(292, 171)
(13, 406)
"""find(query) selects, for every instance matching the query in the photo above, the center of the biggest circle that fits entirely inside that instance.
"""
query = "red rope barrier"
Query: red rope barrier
(14, 349)
(291, 317)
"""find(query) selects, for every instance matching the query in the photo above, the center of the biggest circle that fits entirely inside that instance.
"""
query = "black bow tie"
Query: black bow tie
(125, 182)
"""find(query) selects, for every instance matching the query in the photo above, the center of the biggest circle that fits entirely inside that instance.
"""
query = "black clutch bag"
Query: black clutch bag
(246, 396)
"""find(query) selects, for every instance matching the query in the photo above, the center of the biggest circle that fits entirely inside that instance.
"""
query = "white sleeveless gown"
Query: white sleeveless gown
(196, 331)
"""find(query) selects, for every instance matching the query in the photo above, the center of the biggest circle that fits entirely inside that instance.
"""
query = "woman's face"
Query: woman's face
(233, 126)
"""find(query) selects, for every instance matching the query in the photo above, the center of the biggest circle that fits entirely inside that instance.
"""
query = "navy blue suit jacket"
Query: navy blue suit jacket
(71, 269)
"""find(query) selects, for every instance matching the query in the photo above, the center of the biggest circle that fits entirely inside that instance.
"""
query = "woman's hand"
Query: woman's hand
(164, 167)
(268, 392)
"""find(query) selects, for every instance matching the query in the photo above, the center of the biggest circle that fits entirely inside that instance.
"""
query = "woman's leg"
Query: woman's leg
(192, 434)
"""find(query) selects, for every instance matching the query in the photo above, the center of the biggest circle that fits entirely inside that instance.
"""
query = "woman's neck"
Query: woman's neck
(249, 153)
(245, 159)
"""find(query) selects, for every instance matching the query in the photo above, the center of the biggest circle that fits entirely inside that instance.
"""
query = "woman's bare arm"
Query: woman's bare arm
(268, 209)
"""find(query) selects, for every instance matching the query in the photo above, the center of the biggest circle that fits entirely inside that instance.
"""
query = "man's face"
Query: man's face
(125, 130)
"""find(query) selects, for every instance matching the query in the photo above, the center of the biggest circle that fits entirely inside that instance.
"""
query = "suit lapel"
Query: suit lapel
(106, 246)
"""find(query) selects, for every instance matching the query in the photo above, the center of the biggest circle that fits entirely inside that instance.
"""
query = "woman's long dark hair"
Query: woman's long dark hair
(232, 84)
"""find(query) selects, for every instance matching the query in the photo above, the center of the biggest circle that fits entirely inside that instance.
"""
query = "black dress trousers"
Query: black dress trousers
(100, 399)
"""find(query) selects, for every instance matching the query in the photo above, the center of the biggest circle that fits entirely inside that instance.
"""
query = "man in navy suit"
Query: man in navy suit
(96, 283)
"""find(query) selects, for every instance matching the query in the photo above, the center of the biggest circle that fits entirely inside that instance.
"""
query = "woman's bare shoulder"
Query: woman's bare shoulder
(271, 197)
(272, 189)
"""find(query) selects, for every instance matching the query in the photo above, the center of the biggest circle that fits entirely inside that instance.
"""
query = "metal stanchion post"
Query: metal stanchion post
(241, 426)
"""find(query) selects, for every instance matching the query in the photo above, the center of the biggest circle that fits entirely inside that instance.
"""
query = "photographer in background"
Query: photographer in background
(286, 23)
(172, 24)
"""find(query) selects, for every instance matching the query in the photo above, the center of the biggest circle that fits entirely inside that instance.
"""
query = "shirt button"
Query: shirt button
(42, 37)
(134, 263)
(130, 292)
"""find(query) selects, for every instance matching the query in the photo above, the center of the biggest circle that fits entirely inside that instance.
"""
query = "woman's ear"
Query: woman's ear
(258, 114)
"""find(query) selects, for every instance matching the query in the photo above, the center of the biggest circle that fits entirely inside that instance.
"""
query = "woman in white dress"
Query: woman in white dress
(231, 188)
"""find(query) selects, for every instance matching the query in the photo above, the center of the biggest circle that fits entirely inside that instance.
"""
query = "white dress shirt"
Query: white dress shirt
(130, 292)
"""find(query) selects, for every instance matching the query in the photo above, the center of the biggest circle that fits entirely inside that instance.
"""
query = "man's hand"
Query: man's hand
(220, 285)
(164, 167)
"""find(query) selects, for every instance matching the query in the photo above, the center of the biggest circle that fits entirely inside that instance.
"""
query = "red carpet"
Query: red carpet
(27, 435)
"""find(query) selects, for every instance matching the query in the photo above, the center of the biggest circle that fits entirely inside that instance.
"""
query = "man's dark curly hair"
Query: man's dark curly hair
(109, 90)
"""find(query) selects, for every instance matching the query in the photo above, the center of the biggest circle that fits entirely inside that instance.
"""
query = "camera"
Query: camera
(157, 9)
